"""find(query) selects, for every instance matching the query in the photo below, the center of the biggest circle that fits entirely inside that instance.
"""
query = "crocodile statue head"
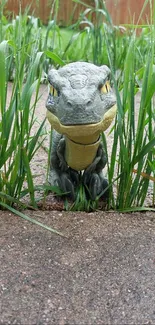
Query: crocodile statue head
(80, 105)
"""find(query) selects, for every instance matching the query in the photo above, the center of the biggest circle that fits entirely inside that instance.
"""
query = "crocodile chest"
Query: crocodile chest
(82, 141)
(79, 156)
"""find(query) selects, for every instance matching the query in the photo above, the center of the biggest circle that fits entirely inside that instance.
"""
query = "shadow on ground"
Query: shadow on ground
(102, 273)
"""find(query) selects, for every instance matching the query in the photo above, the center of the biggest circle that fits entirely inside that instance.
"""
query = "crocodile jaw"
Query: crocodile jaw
(86, 133)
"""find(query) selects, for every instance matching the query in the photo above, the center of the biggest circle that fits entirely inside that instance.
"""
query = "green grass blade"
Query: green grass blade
(54, 57)
(145, 150)
(22, 215)
(2, 77)
(136, 209)
(29, 176)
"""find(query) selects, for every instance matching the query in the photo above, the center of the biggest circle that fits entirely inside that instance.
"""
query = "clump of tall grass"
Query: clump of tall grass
(89, 43)
(24, 43)
(22, 60)
(17, 145)
(131, 165)
(133, 152)
(83, 41)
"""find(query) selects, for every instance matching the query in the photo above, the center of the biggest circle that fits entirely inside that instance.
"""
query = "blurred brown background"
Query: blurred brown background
(121, 11)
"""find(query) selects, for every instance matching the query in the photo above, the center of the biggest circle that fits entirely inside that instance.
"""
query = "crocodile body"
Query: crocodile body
(80, 105)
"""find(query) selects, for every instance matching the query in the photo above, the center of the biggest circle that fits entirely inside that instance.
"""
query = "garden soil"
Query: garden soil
(100, 271)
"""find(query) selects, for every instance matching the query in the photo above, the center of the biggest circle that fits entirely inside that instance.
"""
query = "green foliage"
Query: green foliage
(17, 145)
(135, 140)
(27, 51)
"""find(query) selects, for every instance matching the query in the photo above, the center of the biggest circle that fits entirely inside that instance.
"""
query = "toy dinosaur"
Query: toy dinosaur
(80, 105)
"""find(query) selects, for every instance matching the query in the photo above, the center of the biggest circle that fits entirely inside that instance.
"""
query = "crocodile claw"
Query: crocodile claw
(63, 181)
(96, 184)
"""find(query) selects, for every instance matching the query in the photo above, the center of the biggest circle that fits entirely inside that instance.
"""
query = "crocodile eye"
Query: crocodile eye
(54, 92)
(105, 88)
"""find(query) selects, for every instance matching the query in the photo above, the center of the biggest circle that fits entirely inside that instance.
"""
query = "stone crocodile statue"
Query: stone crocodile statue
(80, 105)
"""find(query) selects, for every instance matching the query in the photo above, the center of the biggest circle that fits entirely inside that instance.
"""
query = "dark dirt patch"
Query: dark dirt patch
(102, 273)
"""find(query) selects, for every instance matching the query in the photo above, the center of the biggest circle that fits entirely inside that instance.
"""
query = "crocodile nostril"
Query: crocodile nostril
(69, 104)
(89, 103)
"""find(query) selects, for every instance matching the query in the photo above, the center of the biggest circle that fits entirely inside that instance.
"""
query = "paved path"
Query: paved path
(102, 273)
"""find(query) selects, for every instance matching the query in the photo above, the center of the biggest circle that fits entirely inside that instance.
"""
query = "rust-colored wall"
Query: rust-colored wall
(12, 7)
(68, 10)
(127, 11)
(122, 11)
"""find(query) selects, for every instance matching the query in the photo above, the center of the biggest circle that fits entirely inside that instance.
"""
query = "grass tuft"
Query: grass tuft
(28, 50)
